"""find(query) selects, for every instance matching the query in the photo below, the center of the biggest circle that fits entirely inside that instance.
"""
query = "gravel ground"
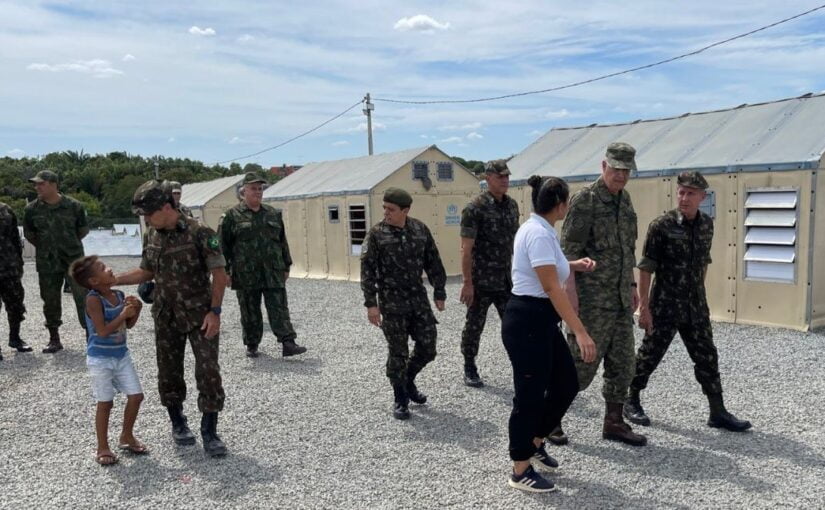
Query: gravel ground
(317, 432)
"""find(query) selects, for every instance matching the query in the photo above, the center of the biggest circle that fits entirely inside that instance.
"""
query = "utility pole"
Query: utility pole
(156, 170)
(368, 108)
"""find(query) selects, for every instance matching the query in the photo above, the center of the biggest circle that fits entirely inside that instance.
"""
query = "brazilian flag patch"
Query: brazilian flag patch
(214, 242)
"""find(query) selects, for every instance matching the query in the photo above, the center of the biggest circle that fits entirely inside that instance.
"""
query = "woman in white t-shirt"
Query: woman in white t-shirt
(544, 373)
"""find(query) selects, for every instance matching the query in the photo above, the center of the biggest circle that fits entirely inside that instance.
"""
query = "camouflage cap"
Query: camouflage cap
(44, 176)
(151, 196)
(621, 156)
(176, 187)
(253, 177)
(398, 197)
(692, 179)
(497, 166)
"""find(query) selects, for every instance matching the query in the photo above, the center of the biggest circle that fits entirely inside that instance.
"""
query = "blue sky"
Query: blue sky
(219, 79)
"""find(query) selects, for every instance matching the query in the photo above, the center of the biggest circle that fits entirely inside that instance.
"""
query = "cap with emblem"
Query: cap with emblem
(621, 156)
(176, 187)
(252, 177)
(151, 196)
(497, 166)
(398, 197)
(44, 176)
(692, 179)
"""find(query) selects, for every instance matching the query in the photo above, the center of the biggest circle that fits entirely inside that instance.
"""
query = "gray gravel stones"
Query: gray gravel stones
(316, 431)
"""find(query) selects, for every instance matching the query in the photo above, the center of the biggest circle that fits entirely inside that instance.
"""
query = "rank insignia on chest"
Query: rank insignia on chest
(213, 242)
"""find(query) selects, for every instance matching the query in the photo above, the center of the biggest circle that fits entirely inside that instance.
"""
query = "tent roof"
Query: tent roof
(344, 176)
(779, 135)
(197, 194)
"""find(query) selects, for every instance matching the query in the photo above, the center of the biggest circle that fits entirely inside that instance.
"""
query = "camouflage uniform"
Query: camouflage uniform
(678, 252)
(257, 256)
(181, 260)
(392, 260)
(177, 188)
(185, 210)
(493, 225)
(603, 227)
(11, 266)
(56, 230)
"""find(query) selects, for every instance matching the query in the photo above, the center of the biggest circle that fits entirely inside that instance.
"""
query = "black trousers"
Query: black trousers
(544, 374)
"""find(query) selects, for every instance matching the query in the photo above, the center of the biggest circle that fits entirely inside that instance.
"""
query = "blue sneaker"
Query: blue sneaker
(542, 460)
(530, 481)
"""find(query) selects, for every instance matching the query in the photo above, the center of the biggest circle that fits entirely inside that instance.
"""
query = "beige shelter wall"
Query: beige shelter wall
(772, 303)
(316, 238)
(336, 236)
(212, 211)
(818, 279)
(293, 214)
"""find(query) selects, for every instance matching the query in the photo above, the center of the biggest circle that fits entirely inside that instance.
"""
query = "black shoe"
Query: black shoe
(52, 348)
(21, 346)
(414, 395)
(181, 433)
(1, 355)
(471, 377)
(558, 437)
(290, 348)
(634, 412)
(400, 410)
(212, 444)
(252, 351)
(727, 421)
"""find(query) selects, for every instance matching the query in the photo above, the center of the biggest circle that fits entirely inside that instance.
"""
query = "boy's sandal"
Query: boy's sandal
(106, 459)
(136, 449)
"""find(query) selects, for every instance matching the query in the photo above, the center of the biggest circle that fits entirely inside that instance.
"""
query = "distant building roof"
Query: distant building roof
(784, 134)
(344, 176)
(197, 194)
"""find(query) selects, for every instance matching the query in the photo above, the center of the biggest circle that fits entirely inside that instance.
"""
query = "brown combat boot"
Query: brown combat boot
(615, 429)
(54, 342)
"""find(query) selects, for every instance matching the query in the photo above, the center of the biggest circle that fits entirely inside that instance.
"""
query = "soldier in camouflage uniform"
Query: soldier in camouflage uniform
(393, 256)
(258, 261)
(677, 250)
(180, 254)
(11, 274)
(488, 227)
(55, 225)
(601, 224)
(177, 189)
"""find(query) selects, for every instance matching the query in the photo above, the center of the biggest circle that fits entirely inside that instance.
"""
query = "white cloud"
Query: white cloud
(452, 139)
(206, 32)
(237, 140)
(420, 23)
(16, 153)
(128, 57)
(98, 68)
(461, 127)
(558, 114)
(425, 137)
(340, 143)
(362, 127)
(245, 38)
(171, 139)
(474, 136)
(535, 133)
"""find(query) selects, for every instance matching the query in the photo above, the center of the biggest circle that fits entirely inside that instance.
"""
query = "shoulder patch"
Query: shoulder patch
(213, 242)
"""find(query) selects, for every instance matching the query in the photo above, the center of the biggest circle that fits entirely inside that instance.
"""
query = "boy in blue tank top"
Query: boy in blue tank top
(108, 314)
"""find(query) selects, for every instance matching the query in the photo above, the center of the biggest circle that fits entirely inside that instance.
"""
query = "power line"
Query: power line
(319, 126)
(606, 76)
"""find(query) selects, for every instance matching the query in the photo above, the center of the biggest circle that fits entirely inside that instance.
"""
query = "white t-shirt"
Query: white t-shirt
(536, 244)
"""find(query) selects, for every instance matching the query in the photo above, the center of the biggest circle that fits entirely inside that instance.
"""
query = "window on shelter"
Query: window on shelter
(771, 223)
(357, 228)
(708, 205)
(445, 171)
(332, 213)
(421, 170)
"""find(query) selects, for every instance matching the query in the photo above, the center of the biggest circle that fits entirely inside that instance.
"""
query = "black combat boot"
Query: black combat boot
(180, 427)
(290, 348)
(615, 429)
(54, 342)
(212, 444)
(15, 342)
(252, 351)
(721, 418)
(471, 377)
(412, 391)
(558, 437)
(633, 410)
(400, 410)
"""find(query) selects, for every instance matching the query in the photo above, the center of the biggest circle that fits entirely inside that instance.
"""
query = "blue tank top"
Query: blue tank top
(114, 345)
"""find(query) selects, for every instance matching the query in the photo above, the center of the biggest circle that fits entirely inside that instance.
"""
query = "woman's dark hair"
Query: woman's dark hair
(548, 192)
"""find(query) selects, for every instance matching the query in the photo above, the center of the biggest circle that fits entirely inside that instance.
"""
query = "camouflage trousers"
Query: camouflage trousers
(171, 346)
(277, 310)
(477, 318)
(12, 295)
(51, 292)
(612, 332)
(698, 340)
(420, 326)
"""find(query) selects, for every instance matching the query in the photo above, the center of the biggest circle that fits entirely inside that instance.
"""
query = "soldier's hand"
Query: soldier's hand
(587, 346)
(467, 294)
(439, 304)
(211, 325)
(374, 316)
(286, 275)
(634, 298)
(645, 319)
(585, 265)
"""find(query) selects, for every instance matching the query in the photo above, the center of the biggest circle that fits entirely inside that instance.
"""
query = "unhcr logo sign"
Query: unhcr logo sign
(452, 217)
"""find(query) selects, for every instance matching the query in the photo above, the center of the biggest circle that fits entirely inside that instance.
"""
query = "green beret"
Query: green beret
(398, 197)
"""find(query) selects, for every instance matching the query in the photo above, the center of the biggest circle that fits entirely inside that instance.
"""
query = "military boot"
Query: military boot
(558, 437)
(471, 377)
(15, 342)
(400, 410)
(721, 418)
(180, 427)
(54, 342)
(290, 348)
(615, 429)
(212, 443)
(633, 410)
(1, 355)
(412, 390)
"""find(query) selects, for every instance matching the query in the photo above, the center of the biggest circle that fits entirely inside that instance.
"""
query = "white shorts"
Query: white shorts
(111, 375)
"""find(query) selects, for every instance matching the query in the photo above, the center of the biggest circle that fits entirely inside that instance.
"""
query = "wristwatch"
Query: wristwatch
(216, 310)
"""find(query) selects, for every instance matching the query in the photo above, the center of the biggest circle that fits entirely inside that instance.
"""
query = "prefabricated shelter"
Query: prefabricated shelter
(209, 200)
(762, 163)
(328, 207)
